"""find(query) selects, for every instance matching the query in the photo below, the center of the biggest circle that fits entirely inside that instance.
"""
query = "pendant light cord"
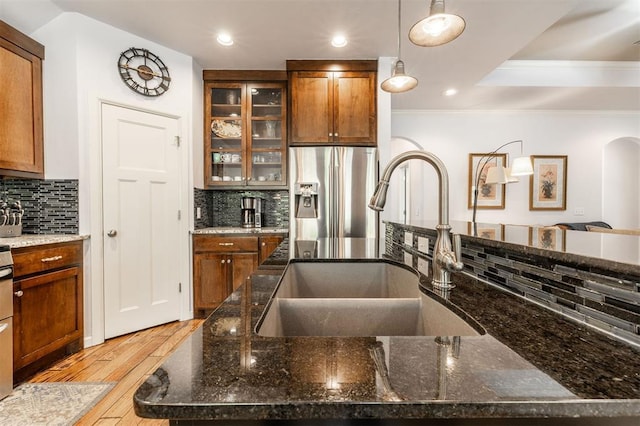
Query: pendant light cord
(399, 26)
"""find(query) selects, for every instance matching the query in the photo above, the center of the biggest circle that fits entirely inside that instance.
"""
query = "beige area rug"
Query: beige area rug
(50, 403)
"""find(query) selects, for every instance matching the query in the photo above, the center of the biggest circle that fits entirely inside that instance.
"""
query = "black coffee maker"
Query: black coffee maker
(252, 215)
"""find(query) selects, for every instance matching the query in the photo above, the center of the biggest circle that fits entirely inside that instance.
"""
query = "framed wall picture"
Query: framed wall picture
(550, 238)
(489, 196)
(548, 184)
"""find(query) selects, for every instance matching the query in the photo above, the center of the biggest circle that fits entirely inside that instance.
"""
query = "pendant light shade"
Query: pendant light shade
(496, 175)
(510, 177)
(437, 28)
(521, 166)
(399, 81)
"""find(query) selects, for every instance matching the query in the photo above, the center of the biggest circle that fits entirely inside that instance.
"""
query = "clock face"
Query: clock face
(144, 72)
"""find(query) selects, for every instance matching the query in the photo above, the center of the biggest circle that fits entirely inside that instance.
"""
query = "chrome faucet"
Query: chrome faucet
(444, 259)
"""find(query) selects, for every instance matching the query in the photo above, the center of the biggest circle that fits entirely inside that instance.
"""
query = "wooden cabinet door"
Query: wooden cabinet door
(311, 116)
(241, 267)
(354, 108)
(268, 245)
(21, 128)
(210, 280)
(48, 314)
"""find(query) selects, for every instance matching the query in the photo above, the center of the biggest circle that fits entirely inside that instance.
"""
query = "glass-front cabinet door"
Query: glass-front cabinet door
(246, 124)
(225, 151)
(268, 140)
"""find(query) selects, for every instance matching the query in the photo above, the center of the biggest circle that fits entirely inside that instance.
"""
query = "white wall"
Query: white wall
(453, 135)
(80, 71)
(621, 160)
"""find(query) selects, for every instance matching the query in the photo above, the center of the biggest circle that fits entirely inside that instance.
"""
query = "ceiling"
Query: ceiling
(514, 54)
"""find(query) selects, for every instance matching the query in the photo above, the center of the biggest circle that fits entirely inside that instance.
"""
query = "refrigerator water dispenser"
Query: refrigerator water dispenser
(306, 200)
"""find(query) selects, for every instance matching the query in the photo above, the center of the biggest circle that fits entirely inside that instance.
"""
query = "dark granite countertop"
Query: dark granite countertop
(531, 363)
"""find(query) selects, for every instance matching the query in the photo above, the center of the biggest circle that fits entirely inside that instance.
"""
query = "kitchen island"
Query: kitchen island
(531, 366)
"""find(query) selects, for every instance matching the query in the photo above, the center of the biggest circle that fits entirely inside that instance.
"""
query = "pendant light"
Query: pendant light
(399, 81)
(437, 28)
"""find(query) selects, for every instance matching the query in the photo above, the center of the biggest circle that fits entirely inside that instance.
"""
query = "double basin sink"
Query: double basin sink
(356, 299)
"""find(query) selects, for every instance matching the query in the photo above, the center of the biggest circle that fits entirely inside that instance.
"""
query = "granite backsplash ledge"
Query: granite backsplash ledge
(589, 293)
(221, 208)
(50, 206)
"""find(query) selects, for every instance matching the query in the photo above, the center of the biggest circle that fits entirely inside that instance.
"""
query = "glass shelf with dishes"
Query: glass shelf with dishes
(226, 102)
(226, 166)
(266, 134)
(266, 166)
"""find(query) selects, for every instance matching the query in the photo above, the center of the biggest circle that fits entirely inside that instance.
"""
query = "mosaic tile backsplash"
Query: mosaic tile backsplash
(222, 207)
(50, 206)
(607, 300)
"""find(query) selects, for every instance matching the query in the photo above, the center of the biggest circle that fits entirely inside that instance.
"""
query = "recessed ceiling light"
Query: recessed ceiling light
(224, 39)
(339, 41)
(450, 92)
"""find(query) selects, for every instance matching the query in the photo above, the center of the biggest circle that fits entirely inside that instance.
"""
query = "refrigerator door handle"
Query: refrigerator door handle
(331, 192)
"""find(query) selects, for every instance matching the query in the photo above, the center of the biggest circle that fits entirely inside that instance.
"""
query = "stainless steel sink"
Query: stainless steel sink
(364, 298)
(378, 279)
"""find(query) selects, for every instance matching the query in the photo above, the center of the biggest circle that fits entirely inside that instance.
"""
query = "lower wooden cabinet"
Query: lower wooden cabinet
(217, 275)
(47, 304)
(222, 263)
(268, 244)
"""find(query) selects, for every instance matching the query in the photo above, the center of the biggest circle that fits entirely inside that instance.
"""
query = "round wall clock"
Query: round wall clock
(144, 72)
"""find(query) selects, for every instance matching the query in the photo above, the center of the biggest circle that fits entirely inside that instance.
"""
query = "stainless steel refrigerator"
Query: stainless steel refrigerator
(330, 190)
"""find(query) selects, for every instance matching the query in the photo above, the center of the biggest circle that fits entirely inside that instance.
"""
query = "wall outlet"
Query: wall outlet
(198, 212)
(423, 266)
(408, 259)
(578, 211)
(423, 245)
(408, 238)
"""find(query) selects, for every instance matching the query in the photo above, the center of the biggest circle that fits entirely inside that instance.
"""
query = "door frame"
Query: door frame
(94, 267)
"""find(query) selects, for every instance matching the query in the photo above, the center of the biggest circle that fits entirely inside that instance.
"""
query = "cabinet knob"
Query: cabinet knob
(335, 134)
(228, 260)
(330, 135)
(112, 233)
(264, 244)
(18, 293)
(222, 261)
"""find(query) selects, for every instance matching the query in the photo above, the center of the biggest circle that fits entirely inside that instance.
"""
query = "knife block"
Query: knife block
(8, 231)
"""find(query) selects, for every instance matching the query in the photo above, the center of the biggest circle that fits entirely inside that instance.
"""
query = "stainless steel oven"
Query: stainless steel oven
(6, 321)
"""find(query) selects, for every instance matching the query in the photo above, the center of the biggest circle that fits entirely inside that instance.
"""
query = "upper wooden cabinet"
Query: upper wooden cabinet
(21, 132)
(332, 102)
(245, 128)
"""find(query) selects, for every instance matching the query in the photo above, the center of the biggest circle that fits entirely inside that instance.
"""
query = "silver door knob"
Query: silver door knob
(112, 233)
(19, 293)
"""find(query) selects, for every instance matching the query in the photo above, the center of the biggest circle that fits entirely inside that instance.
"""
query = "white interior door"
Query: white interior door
(141, 194)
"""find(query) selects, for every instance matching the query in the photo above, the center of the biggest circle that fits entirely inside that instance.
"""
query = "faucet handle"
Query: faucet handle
(457, 250)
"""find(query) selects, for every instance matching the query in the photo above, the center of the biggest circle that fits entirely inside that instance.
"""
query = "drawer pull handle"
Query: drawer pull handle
(19, 293)
(225, 244)
(51, 259)
(3, 327)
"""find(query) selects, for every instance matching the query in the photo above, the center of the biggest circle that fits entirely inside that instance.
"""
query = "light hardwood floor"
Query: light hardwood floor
(126, 361)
